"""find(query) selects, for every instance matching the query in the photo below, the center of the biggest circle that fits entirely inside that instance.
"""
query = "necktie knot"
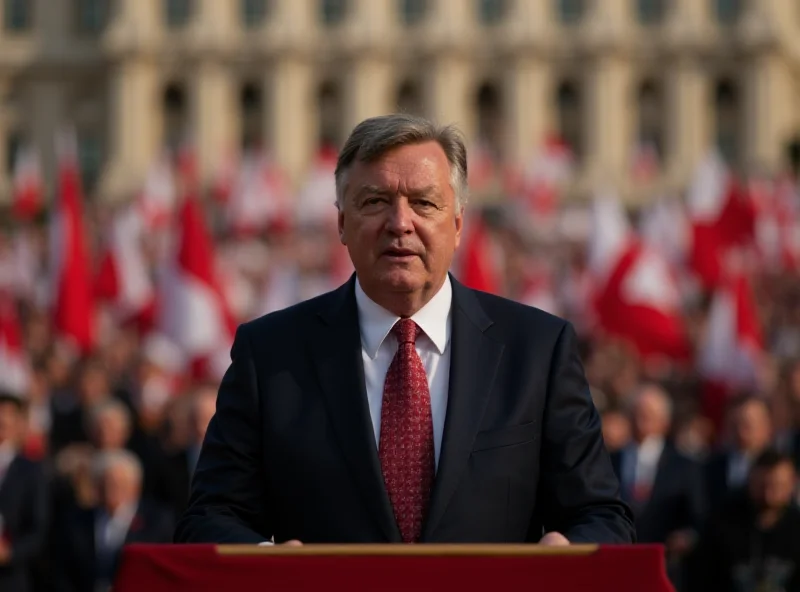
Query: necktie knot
(406, 331)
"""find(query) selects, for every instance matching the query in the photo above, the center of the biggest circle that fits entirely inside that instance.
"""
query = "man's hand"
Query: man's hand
(5, 552)
(554, 539)
(292, 543)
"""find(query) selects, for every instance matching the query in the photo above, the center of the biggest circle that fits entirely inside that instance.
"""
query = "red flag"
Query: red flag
(71, 269)
(732, 346)
(479, 268)
(14, 364)
(193, 312)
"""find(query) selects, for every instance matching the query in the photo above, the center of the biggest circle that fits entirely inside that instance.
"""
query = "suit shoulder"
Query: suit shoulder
(518, 314)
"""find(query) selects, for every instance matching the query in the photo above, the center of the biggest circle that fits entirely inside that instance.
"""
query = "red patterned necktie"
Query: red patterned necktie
(406, 438)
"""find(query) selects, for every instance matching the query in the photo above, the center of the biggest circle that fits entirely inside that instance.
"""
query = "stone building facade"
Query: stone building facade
(132, 76)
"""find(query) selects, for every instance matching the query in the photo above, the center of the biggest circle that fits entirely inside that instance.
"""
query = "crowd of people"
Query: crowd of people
(98, 448)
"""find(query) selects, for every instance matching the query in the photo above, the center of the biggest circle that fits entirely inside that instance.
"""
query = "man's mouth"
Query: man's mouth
(399, 253)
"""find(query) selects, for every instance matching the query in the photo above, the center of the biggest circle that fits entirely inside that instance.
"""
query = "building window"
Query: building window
(650, 12)
(333, 12)
(570, 12)
(92, 15)
(651, 118)
(251, 102)
(409, 98)
(491, 12)
(490, 119)
(570, 116)
(175, 115)
(413, 11)
(727, 11)
(329, 103)
(17, 15)
(13, 147)
(90, 159)
(727, 120)
(254, 12)
(178, 12)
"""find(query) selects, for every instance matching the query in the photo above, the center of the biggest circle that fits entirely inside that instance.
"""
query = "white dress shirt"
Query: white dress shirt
(378, 346)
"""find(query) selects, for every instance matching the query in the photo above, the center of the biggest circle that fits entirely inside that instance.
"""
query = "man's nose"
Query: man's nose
(400, 218)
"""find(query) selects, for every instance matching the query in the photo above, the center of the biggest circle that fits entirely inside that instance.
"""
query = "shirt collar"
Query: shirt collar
(376, 322)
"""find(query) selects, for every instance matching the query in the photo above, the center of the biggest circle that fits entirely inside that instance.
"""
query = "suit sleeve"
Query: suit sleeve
(578, 490)
(30, 544)
(229, 494)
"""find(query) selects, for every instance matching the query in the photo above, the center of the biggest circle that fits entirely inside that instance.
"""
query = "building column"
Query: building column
(450, 93)
(527, 96)
(133, 130)
(5, 177)
(608, 121)
(292, 120)
(688, 130)
(768, 107)
(367, 90)
(214, 116)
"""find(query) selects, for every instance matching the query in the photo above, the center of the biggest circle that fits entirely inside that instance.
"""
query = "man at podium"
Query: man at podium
(404, 406)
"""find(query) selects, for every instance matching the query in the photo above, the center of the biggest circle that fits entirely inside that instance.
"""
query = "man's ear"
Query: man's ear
(459, 225)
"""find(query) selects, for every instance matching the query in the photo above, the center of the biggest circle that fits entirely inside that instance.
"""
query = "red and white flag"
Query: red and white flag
(722, 219)
(193, 313)
(28, 190)
(123, 278)
(259, 199)
(14, 363)
(731, 348)
(638, 298)
(156, 201)
(71, 275)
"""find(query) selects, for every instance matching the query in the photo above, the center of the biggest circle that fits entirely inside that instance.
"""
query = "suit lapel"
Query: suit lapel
(336, 355)
(473, 364)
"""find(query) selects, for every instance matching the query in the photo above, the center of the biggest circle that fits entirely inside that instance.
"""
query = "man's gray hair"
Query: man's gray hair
(108, 459)
(374, 137)
(651, 388)
(109, 406)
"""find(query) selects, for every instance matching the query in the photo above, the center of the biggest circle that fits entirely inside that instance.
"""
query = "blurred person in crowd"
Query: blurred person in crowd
(616, 429)
(753, 542)
(40, 414)
(90, 542)
(332, 465)
(750, 427)
(202, 406)
(111, 429)
(663, 487)
(23, 502)
(109, 425)
(70, 408)
(693, 436)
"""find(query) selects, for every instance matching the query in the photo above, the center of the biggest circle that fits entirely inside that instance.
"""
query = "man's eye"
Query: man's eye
(425, 203)
(372, 201)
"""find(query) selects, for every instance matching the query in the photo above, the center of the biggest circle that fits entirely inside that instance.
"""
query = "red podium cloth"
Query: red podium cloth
(157, 568)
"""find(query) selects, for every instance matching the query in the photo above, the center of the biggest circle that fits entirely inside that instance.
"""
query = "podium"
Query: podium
(418, 568)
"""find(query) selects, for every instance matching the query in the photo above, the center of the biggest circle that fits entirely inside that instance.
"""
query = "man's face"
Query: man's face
(10, 422)
(118, 487)
(752, 428)
(772, 488)
(399, 220)
(111, 431)
(650, 416)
